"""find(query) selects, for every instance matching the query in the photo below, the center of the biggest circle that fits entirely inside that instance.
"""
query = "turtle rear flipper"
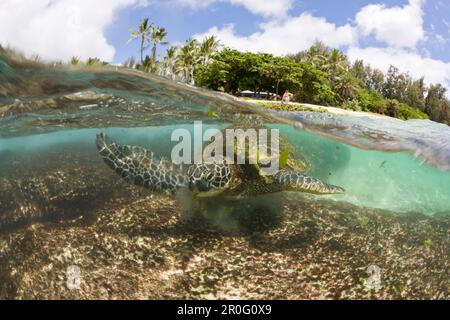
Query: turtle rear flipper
(294, 181)
(139, 166)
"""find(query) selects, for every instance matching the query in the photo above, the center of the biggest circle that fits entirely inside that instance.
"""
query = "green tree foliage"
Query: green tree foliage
(372, 101)
(314, 87)
(282, 72)
(336, 66)
(436, 104)
(346, 86)
(143, 35)
(170, 67)
(395, 85)
(359, 71)
(157, 36)
(188, 58)
(179, 63)
(208, 47)
(242, 70)
(146, 64)
(320, 75)
(316, 55)
(215, 76)
(374, 79)
(406, 112)
(359, 87)
(234, 71)
(415, 94)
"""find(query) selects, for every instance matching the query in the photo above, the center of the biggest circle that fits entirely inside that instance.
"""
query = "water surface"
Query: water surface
(61, 206)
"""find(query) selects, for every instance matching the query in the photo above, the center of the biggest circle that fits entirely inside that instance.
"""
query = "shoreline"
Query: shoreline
(333, 110)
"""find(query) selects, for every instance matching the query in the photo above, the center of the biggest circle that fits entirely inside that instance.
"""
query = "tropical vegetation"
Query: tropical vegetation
(326, 76)
(289, 107)
(319, 75)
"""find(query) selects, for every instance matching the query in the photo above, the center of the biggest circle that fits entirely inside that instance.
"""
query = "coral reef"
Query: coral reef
(128, 244)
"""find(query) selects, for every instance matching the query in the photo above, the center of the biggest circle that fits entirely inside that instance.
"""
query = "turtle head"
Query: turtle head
(209, 179)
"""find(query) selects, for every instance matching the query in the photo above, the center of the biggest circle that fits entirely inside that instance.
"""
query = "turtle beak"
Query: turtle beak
(202, 186)
(199, 186)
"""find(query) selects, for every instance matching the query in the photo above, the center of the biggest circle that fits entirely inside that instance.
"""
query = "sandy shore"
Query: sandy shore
(333, 110)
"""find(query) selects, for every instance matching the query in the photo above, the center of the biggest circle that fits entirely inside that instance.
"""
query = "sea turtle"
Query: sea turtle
(140, 166)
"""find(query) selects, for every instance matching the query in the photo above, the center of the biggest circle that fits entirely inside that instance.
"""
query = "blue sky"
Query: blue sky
(183, 22)
(412, 34)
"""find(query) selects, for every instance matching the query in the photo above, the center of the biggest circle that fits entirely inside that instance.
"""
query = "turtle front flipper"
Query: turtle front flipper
(293, 181)
(139, 166)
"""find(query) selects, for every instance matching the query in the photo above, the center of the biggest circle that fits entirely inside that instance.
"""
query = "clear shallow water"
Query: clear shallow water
(394, 181)
(387, 180)
(61, 206)
(382, 163)
(426, 140)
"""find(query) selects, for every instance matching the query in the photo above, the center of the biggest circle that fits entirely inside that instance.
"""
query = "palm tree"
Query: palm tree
(170, 65)
(157, 36)
(188, 57)
(142, 34)
(147, 64)
(207, 48)
(316, 55)
(347, 86)
(336, 64)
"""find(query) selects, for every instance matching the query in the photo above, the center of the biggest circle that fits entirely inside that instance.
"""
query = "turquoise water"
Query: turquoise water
(62, 207)
(382, 163)
(393, 181)
(387, 180)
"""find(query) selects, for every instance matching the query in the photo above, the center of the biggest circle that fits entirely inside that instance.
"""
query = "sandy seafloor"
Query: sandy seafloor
(62, 210)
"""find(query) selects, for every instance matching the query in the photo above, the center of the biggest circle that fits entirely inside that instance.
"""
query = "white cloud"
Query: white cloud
(266, 8)
(399, 27)
(289, 35)
(60, 29)
(196, 4)
(434, 71)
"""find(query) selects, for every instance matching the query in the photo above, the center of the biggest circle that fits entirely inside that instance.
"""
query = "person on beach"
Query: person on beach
(287, 97)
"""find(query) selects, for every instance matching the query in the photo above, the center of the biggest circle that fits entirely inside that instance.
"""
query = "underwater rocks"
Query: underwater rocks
(84, 96)
(92, 109)
(64, 103)
(64, 211)
(52, 186)
(140, 246)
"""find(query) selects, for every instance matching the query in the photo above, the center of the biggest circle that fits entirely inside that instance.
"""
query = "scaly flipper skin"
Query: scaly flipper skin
(293, 181)
(137, 165)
